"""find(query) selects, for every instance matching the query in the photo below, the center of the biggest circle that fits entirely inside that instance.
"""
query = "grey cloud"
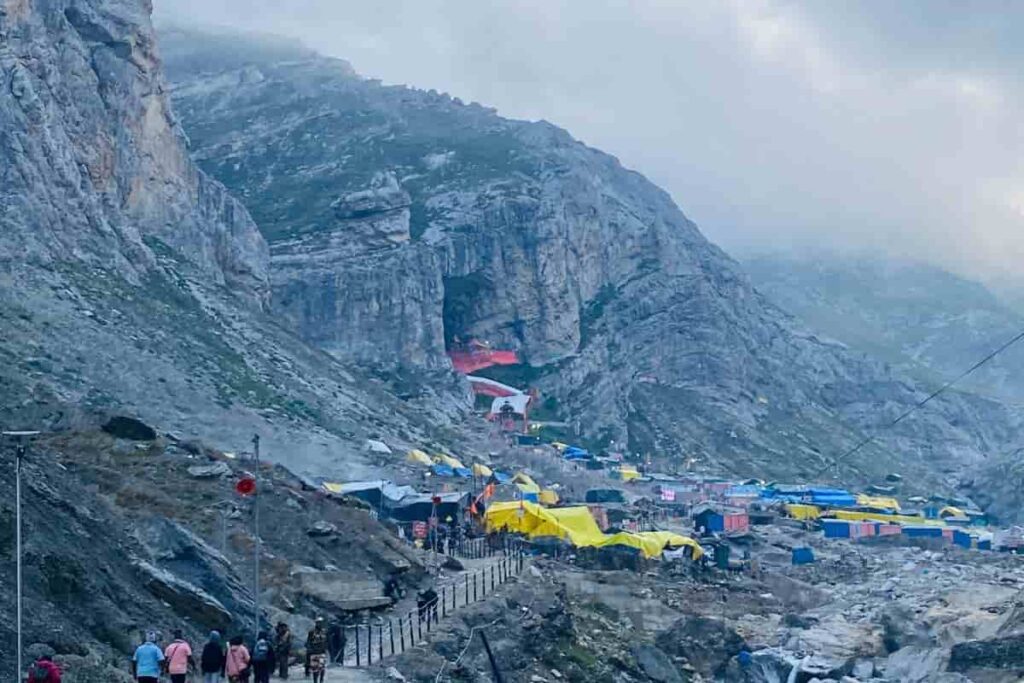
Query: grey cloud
(890, 127)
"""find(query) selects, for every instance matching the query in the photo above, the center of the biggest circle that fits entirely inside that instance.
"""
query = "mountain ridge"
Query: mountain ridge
(646, 336)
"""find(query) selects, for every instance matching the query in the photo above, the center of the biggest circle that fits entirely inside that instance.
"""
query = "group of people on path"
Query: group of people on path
(236, 662)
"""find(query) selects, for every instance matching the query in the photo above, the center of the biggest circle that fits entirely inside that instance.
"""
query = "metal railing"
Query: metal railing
(365, 644)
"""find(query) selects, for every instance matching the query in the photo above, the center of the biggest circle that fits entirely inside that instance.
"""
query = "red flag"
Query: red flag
(246, 486)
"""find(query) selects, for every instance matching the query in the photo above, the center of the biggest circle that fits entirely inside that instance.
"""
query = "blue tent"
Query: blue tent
(464, 472)
(803, 556)
(836, 528)
(440, 470)
(575, 453)
(962, 538)
(823, 495)
(922, 531)
(501, 477)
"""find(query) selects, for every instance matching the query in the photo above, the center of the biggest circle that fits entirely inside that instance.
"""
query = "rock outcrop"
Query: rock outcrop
(132, 283)
(641, 333)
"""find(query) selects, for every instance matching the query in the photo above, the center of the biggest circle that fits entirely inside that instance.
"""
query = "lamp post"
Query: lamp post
(19, 457)
(256, 531)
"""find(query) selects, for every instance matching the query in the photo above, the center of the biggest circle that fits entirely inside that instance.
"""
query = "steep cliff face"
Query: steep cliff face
(94, 159)
(132, 281)
(640, 331)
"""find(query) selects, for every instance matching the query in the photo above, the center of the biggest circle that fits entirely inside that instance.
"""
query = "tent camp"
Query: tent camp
(418, 508)
(418, 457)
(442, 470)
(448, 460)
(481, 470)
(524, 478)
(379, 493)
(577, 526)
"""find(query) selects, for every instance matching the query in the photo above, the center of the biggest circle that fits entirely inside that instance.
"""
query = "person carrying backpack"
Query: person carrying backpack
(212, 661)
(237, 664)
(178, 658)
(43, 670)
(148, 660)
(263, 658)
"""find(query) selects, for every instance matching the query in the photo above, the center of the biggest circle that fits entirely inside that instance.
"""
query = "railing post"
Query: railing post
(401, 632)
(358, 662)
(419, 623)
(467, 588)
(474, 588)
(492, 578)
(391, 632)
(444, 602)
(369, 644)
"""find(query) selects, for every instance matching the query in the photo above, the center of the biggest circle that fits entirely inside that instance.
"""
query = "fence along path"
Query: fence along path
(366, 644)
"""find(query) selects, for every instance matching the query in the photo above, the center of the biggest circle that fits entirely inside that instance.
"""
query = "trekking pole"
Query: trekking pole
(19, 458)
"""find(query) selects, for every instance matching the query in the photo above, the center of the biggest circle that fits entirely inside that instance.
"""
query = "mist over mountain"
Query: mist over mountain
(922, 319)
(401, 221)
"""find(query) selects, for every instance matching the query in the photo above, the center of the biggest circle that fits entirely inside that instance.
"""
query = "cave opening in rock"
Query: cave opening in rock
(463, 296)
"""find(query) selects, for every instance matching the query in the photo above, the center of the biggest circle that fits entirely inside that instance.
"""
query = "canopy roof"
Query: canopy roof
(577, 526)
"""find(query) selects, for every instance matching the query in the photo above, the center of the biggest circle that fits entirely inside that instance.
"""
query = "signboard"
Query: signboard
(419, 529)
(668, 495)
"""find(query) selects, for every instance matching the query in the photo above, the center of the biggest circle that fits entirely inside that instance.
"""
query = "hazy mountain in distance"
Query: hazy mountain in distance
(925, 320)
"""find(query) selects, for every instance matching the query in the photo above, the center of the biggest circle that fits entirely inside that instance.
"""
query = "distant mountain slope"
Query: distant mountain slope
(400, 220)
(926, 321)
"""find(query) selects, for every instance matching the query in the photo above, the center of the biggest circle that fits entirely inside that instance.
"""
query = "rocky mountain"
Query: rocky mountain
(402, 221)
(123, 536)
(131, 281)
(924, 320)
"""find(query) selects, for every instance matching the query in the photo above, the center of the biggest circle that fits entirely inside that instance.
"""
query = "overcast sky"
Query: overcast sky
(870, 126)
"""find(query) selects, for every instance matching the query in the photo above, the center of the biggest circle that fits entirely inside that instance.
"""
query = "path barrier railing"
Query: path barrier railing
(365, 644)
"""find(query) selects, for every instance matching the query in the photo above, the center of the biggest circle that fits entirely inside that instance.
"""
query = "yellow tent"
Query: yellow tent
(950, 511)
(882, 502)
(857, 516)
(481, 470)
(628, 473)
(559, 446)
(652, 543)
(523, 478)
(578, 522)
(529, 488)
(454, 463)
(419, 457)
(574, 524)
(548, 497)
(331, 487)
(577, 526)
(798, 511)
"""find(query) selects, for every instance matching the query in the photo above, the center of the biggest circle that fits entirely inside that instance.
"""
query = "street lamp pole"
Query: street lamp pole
(256, 529)
(19, 458)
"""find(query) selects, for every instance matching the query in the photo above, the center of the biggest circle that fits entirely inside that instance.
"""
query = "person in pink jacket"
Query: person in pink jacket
(237, 665)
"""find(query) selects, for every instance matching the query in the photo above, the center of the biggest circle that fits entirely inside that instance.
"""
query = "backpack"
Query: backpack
(261, 652)
(39, 674)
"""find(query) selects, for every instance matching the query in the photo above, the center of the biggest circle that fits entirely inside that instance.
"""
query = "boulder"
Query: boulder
(321, 529)
(122, 427)
(211, 471)
(707, 643)
(993, 653)
(186, 599)
(656, 664)
(340, 591)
